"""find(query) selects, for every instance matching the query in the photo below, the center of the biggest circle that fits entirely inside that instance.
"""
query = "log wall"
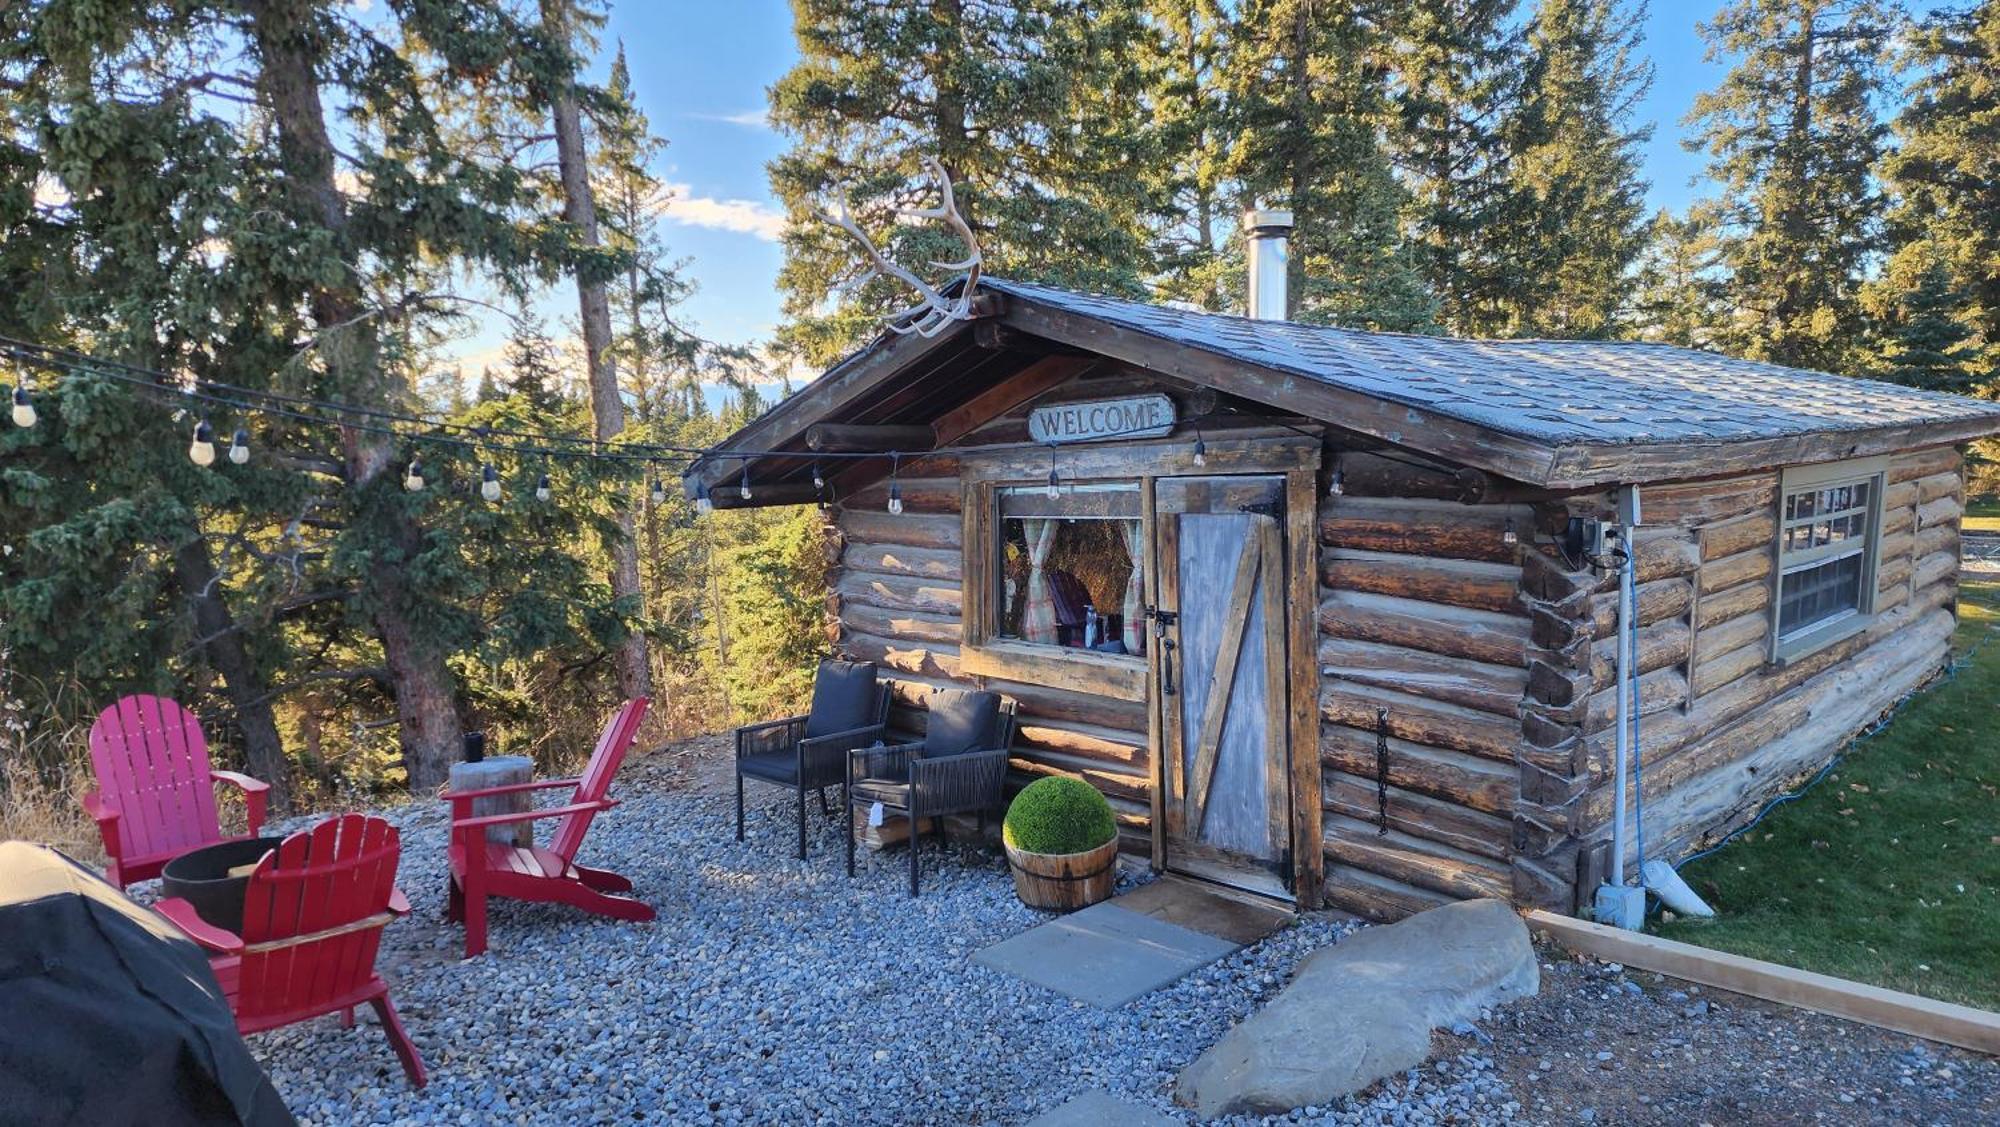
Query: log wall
(895, 598)
(1722, 728)
(1422, 624)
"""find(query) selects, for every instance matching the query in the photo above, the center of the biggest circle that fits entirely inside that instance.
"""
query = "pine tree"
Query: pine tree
(1456, 90)
(1025, 106)
(1945, 174)
(1310, 104)
(1792, 136)
(1575, 169)
(1184, 60)
(1676, 296)
(533, 372)
(1929, 341)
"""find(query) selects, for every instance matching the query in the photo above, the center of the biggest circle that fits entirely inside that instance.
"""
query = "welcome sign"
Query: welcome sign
(1138, 416)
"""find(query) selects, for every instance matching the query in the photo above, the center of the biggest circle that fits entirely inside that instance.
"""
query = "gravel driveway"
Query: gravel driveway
(772, 990)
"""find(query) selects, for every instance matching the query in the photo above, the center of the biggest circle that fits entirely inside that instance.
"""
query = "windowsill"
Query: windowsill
(1122, 676)
(1801, 646)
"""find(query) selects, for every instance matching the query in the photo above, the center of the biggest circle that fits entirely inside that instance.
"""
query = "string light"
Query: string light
(656, 491)
(895, 485)
(239, 447)
(1339, 484)
(1054, 489)
(201, 449)
(413, 478)
(819, 479)
(542, 488)
(489, 482)
(1200, 450)
(1509, 536)
(743, 490)
(24, 404)
(702, 503)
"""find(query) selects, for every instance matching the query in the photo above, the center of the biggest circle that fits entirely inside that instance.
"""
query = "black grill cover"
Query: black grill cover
(108, 1014)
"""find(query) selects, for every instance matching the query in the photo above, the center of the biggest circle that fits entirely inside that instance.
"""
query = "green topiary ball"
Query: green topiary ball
(1058, 815)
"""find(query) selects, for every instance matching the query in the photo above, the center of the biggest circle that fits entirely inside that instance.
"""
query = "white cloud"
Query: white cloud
(748, 119)
(750, 217)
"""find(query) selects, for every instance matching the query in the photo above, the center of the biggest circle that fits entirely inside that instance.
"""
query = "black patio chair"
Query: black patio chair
(804, 753)
(959, 767)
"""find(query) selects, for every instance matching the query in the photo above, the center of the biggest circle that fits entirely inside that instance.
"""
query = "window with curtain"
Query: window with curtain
(1827, 533)
(1070, 570)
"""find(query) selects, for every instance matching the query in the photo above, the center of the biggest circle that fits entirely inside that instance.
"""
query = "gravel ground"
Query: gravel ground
(772, 990)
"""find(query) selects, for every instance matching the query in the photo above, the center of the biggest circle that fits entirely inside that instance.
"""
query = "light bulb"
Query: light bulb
(819, 479)
(1339, 486)
(1200, 451)
(239, 447)
(413, 478)
(1509, 536)
(896, 498)
(24, 407)
(542, 488)
(702, 504)
(657, 492)
(489, 483)
(743, 490)
(201, 449)
(1055, 486)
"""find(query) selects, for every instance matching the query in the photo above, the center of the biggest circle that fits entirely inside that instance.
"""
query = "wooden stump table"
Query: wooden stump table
(499, 770)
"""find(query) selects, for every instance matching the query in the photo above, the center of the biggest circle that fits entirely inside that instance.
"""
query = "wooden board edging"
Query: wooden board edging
(1933, 1020)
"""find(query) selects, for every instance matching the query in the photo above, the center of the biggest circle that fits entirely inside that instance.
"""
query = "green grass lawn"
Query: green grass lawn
(1982, 514)
(1889, 870)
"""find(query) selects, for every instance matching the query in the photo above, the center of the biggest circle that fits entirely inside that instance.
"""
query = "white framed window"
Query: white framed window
(1829, 531)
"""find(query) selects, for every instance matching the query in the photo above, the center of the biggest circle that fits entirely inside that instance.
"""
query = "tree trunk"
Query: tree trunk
(426, 697)
(607, 407)
(223, 642)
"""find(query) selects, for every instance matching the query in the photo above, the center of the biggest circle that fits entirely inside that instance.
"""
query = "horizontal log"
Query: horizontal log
(1893, 547)
(908, 529)
(911, 691)
(766, 495)
(898, 592)
(1424, 528)
(1419, 815)
(1936, 539)
(1892, 573)
(1939, 485)
(1452, 631)
(1743, 534)
(1899, 520)
(1659, 599)
(1658, 646)
(868, 438)
(1049, 703)
(1914, 464)
(1659, 690)
(1428, 722)
(1475, 584)
(1126, 750)
(1943, 511)
(915, 627)
(1934, 568)
(937, 661)
(1747, 598)
(1371, 897)
(1113, 784)
(889, 559)
(1720, 668)
(1706, 502)
(1414, 861)
(920, 495)
(1467, 780)
(1370, 475)
(1730, 571)
(1474, 684)
(1739, 631)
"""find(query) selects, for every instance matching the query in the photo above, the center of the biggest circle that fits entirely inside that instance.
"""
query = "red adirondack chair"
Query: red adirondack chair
(155, 796)
(481, 868)
(313, 913)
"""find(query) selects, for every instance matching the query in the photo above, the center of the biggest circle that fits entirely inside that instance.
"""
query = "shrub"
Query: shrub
(1058, 815)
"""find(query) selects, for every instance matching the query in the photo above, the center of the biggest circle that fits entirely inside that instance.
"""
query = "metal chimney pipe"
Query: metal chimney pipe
(1268, 233)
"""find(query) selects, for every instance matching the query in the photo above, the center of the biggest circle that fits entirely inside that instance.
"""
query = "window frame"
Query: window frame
(1794, 480)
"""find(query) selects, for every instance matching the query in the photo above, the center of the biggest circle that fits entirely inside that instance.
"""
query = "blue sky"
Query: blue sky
(700, 71)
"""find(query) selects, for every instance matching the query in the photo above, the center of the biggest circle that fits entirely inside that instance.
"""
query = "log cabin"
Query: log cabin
(1322, 611)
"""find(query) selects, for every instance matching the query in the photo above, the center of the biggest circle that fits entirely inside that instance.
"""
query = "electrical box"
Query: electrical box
(1620, 906)
(1584, 541)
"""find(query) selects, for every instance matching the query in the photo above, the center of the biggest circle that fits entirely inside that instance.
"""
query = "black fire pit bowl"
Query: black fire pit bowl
(202, 879)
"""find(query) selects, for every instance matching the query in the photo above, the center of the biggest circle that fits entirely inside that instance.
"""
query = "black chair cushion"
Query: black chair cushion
(888, 792)
(961, 720)
(843, 698)
(781, 767)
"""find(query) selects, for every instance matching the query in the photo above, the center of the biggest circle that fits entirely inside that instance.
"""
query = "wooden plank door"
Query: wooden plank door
(1221, 686)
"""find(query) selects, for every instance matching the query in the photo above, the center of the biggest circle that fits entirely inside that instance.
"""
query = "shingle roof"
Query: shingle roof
(1558, 392)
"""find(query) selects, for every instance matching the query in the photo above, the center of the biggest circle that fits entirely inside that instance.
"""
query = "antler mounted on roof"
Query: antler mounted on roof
(934, 312)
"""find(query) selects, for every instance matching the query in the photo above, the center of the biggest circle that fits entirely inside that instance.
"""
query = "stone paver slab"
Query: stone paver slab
(1099, 1108)
(1104, 955)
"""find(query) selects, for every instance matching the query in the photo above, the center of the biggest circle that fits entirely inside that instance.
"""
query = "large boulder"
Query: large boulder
(1364, 1009)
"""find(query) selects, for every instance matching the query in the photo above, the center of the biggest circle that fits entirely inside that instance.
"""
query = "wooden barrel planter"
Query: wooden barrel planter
(1064, 881)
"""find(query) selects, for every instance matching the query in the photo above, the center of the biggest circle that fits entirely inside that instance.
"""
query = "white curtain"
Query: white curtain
(1135, 588)
(1038, 614)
